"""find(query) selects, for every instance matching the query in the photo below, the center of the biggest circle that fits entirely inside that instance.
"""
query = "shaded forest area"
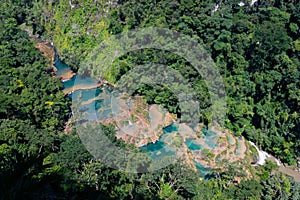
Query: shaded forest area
(256, 49)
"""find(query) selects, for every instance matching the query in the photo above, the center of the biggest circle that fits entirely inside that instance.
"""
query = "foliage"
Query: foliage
(256, 49)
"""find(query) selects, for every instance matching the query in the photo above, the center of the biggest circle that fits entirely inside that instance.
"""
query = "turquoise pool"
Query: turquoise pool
(159, 149)
(61, 67)
(79, 80)
(204, 171)
(192, 145)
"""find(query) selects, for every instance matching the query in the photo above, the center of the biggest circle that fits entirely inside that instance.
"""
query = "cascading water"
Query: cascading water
(262, 155)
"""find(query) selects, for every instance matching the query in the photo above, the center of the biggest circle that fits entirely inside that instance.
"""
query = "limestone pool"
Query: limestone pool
(159, 148)
(61, 67)
(96, 103)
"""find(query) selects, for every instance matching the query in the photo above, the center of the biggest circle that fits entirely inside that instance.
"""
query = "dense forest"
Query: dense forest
(255, 47)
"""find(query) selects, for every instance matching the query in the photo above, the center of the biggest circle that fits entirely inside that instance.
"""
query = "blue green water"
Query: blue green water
(96, 110)
(69, 83)
(208, 133)
(210, 138)
(101, 109)
(192, 145)
(171, 128)
(204, 171)
(79, 80)
(85, 95)
(61, 67)
(154, 147)
(159, 149)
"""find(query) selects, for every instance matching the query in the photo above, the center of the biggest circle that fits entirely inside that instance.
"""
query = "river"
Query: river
(96, 96)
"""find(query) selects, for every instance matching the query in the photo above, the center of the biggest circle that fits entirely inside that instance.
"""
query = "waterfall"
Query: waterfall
(216, 8)
(253, 2)
(262, 155)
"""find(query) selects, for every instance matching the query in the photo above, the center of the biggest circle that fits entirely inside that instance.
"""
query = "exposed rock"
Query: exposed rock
(137, 122)
(80, 87)
(66, 76)
(47, 51)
